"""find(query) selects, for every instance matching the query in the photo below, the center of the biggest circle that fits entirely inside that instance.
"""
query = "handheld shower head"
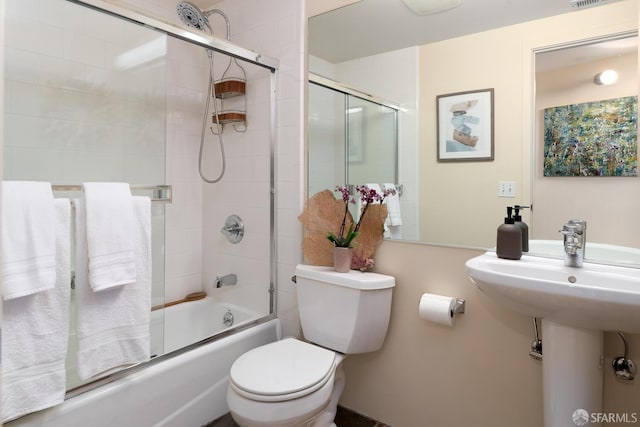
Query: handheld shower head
(192, 16)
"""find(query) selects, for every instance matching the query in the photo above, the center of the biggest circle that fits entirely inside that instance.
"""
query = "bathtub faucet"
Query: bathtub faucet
(575, 239)
(226, 280)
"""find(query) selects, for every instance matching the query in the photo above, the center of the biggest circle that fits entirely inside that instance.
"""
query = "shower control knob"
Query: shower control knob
(233, 229)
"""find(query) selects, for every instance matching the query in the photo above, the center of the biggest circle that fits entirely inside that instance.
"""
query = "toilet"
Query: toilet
(292, 382)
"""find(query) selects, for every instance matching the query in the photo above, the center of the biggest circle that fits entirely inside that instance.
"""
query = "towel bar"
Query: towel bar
(160, 193)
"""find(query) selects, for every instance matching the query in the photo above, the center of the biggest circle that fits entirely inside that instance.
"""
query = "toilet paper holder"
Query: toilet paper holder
(458, 307)
(440, 309)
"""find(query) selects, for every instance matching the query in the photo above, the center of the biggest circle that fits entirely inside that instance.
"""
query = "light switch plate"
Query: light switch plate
(506, 189)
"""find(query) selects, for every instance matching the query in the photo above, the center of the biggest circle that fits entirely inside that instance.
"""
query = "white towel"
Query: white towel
(113, 324)
(34, 335)
(28, 241)
(110, 243)
(393, 206)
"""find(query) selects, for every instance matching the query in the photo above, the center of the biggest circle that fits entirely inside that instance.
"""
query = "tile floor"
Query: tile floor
(344, 418)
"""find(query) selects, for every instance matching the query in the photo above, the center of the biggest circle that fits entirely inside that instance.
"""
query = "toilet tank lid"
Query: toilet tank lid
(353, 279)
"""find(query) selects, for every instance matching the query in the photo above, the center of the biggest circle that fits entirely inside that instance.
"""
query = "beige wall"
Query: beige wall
(477, 373)
(458, 201)
(456, 197)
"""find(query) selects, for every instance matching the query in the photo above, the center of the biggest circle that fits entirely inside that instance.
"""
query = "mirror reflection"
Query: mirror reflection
(353, 139)
(586, 145)
(458, 203)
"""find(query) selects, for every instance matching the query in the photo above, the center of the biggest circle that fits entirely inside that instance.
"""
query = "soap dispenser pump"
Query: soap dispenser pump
(524, 228)
(509, 242)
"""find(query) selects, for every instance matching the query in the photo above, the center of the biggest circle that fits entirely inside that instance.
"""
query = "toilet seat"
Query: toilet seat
(282, 370)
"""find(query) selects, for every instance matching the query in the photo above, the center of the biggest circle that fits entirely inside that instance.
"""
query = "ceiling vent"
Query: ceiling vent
(582, 4)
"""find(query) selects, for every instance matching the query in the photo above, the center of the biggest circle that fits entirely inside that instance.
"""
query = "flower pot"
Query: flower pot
(342, 259)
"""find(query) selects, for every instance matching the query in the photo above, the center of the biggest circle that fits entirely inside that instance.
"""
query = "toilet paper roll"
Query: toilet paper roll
(437, 308)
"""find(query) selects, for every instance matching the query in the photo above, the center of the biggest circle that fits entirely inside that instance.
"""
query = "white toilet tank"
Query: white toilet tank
(346, 312)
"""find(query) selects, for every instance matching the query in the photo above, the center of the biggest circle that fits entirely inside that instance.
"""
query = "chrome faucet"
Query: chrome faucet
(575, 238)
(226, 280)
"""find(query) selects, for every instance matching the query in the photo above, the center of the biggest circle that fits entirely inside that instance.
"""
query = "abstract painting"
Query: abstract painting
(597, 138)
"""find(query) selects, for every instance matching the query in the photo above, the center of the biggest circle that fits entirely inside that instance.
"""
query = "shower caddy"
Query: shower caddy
(232, 84)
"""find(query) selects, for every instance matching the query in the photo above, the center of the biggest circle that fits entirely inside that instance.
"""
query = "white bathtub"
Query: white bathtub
(188, 323)
(185, 390)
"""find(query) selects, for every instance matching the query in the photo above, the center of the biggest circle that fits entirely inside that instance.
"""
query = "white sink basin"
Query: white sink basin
(599, 297)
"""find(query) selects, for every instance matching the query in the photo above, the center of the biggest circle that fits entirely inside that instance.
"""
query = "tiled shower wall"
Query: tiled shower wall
(79, 106)
(196, 252)
(78, 109)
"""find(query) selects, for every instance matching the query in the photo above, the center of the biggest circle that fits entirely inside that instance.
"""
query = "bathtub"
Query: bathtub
(188, 323)
(184, 388)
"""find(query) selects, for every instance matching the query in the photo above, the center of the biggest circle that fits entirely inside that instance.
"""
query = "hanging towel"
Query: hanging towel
(393, 206)
(28, 241)
(113, 324)
(35, 330)
(110, 243)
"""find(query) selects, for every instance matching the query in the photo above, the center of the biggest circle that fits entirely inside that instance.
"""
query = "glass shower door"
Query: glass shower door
(371, 142)
(327, 139)
(86, 103)
(351, 140)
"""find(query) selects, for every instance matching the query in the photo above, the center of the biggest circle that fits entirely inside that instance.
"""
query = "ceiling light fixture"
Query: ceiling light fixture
(428, 7)
(607, 77)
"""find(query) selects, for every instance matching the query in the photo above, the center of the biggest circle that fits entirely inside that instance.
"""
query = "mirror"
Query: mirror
(457, 203)
(586, 144)
(340, 124)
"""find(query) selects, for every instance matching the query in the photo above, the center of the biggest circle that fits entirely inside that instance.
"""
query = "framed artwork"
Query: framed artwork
(465, 126)
(598, 138)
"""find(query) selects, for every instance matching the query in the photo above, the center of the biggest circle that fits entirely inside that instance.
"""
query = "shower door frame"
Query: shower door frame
(228, 48)
(350, 91)
(194, 37)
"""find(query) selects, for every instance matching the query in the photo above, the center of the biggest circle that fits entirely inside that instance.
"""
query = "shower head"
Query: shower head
(192, 16)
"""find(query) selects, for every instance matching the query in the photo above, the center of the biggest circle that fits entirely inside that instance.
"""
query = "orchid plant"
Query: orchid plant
(345, 236)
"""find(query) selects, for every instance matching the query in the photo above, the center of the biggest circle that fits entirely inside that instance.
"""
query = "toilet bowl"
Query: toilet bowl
(293, 383)
(286, 383)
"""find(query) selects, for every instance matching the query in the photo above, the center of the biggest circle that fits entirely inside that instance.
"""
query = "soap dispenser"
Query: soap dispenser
(523, 227)
(509, 242)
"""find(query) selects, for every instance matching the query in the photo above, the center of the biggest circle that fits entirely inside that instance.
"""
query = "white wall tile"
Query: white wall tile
(38, 38)
(84, 66)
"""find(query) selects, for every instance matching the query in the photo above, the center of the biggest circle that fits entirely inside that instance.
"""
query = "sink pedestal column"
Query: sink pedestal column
(571, 374)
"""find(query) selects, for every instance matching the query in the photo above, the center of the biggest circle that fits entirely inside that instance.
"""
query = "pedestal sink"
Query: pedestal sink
(576, 305)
